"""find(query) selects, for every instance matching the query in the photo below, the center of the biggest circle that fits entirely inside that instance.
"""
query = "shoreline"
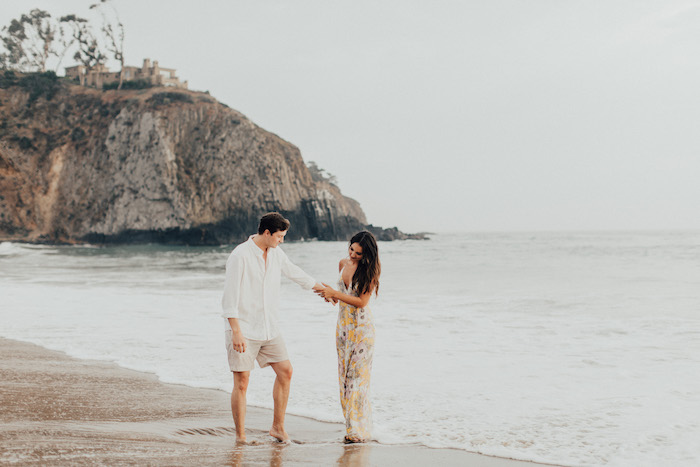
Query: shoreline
(61, 410)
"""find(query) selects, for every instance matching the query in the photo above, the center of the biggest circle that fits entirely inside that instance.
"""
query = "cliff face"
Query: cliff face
(153, 165)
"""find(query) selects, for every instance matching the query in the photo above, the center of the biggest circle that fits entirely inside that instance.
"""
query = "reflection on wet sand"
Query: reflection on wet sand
(354, 455)
(280, 454)
(246, 454)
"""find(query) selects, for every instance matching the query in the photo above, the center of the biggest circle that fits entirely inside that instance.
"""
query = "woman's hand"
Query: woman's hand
(328, 293)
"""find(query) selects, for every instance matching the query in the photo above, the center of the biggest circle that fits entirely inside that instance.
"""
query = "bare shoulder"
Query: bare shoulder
(342, 263)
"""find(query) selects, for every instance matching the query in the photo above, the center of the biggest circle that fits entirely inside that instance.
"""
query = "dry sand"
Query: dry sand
(57, 410)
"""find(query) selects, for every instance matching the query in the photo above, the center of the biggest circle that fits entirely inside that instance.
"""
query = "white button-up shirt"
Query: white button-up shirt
(252, 291)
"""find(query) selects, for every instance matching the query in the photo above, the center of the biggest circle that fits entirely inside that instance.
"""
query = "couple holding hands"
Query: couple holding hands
(250, 305)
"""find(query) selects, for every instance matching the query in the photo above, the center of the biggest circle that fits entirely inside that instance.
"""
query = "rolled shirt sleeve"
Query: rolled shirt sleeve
(232, 287)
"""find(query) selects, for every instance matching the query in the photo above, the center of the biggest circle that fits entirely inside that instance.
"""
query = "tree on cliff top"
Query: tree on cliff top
(113, 29)
(31, 40)
(89, 53)
(321, 175)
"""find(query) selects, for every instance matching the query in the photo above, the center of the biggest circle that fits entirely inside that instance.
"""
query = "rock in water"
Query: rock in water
(153, 165)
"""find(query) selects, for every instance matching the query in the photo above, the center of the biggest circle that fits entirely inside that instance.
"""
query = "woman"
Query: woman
(359, 278)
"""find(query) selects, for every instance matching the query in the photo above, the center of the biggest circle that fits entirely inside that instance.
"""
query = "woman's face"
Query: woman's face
(355, 252)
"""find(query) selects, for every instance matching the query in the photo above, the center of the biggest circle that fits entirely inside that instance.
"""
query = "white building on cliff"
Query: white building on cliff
(99, 75)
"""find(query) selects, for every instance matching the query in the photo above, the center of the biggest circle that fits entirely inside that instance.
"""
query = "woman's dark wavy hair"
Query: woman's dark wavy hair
(369, 268)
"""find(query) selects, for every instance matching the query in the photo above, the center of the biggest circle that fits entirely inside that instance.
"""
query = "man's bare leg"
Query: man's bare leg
(238, 402)
(280, 395)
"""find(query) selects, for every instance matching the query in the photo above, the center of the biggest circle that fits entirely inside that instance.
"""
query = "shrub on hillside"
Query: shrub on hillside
(77, 134)
(164, 98)
(131, 84)
(8, 79)
(40, 84)
(25, 143)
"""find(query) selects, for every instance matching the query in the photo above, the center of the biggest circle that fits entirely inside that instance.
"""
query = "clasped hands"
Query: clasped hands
(326, 292)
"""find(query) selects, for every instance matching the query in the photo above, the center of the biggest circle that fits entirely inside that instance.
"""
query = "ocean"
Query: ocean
(571, 348)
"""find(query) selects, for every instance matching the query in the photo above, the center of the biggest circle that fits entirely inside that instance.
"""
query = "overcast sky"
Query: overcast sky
(456, 115)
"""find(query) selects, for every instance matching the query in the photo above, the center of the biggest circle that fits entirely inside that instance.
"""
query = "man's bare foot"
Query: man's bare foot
(280, 435)
(240, 440)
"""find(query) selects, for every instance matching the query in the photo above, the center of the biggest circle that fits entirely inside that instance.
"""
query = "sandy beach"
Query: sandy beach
(59, 410)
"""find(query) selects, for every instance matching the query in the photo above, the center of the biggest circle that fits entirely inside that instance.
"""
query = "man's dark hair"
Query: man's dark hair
(274, 222)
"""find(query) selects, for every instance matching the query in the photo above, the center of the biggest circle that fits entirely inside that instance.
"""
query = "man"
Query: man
(250, 304)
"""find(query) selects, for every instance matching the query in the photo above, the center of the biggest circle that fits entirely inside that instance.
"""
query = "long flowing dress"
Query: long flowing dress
(355, 343)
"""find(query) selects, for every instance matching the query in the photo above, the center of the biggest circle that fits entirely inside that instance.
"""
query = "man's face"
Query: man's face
(275, 239)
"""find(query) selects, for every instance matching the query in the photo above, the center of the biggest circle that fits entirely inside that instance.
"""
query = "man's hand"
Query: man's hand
(319, 290)
(239, 343)
(327, 292)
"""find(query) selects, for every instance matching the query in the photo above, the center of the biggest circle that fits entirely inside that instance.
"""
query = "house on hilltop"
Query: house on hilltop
(99, 75)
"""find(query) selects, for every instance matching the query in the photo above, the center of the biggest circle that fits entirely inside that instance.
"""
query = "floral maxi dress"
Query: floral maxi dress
(355, 344)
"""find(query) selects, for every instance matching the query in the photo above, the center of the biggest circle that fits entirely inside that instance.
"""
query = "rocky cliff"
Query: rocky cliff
(150, 165)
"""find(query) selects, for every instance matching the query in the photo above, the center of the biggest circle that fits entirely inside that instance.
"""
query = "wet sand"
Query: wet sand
(57, 410)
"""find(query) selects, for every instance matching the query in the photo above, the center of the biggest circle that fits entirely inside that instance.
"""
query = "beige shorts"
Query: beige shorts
(265, 352)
